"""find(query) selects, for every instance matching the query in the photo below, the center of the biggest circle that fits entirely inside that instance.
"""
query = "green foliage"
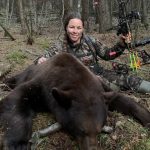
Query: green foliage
(16, 57)
(44, 44)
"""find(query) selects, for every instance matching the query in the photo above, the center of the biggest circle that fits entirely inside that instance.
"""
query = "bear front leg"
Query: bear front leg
(18, 133)
(18, 109)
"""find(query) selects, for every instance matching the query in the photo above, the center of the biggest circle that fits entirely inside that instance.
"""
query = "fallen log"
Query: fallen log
(7, 32)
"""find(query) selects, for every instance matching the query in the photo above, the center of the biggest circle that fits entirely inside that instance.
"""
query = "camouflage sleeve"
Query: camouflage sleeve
(53, 50)
(109, 53)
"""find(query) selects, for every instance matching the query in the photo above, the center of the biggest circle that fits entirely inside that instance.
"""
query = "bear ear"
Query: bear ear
(62, 97)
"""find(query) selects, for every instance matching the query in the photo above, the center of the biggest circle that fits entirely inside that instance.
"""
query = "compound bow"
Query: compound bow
(124, 21)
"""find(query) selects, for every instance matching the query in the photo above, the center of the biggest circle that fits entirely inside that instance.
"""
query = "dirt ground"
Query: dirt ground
(127, 133)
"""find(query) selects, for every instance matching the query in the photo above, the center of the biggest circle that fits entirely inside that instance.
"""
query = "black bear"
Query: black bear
(63, 86)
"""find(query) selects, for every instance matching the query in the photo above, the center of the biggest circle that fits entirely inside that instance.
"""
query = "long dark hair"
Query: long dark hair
(71, 15)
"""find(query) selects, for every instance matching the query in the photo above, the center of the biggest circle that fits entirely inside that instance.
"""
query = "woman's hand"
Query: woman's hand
(42, 60)
(126, 38)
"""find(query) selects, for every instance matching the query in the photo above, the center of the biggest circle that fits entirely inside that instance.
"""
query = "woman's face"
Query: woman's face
(75, 30)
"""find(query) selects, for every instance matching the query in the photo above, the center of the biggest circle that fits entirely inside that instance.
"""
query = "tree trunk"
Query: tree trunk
(22, 18)
(144, 14)
(75, 5)
(12, 10)
(35, 15)
(7, 13)
(85, 13)
(67, 6)
(103, 16)
(110, 11)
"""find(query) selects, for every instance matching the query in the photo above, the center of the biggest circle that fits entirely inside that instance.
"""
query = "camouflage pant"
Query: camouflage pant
(121, 82)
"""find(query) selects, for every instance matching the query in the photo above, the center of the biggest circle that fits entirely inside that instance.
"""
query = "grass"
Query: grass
(16, 57)
(44, 43)
(127, 135)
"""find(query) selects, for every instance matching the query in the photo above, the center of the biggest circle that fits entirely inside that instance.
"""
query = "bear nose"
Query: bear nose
(89, 143)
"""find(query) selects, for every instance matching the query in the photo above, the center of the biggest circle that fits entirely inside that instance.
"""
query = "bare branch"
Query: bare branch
(44, 132)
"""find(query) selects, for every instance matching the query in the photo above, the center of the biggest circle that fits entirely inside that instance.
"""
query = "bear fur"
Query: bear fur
(66, 88)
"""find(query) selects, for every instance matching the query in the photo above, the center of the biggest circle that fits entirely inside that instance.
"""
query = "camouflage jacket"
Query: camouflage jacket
(84, 49)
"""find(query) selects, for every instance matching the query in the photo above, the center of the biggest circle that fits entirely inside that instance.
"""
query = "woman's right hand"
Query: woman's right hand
(42, 60)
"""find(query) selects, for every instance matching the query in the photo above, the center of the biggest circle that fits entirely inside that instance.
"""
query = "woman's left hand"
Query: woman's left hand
(126, 38)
